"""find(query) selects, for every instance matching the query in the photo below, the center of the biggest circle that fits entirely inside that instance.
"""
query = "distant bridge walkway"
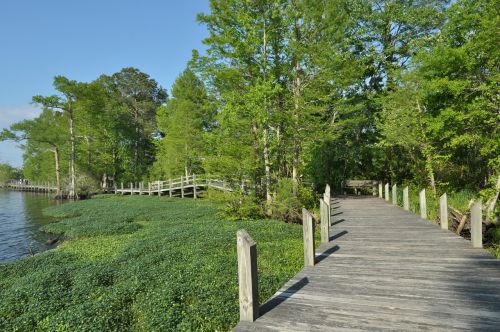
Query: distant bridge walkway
(180, 187)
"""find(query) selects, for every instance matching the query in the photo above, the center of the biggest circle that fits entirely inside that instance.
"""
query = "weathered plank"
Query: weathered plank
(308, 235)
(443, 211)
(423, 204)
(325, 221)
(476, 224)
(247, 276)
(385, 268)
(395, 194)
(406, 199)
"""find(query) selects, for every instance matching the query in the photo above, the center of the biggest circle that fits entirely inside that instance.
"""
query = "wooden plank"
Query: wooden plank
(182, 187)
(247, 277)
(443, 211)
(325, 221)
(194, 187)
(308, 235)
(423, 204)
(387, 269)
(476, 224)
(394, 195)
(406, 199)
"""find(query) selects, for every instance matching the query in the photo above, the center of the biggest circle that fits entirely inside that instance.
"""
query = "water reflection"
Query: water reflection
(20, 220)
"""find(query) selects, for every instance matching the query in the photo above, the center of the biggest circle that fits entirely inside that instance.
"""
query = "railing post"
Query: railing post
(394, 195)
(476, 224)
(443, 211)
(387, 192)
(380, 190)
(406, 199)
(247, 277)
(122, 188)
(423, 204)
(140, 188)
(308, 232)
(327, 194)
(194, 186)
(182, 186)
(159, 188)
(325, 221)
(131, 189)
(170, 187)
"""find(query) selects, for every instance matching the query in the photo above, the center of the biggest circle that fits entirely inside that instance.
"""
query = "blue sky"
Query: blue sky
(84, 39)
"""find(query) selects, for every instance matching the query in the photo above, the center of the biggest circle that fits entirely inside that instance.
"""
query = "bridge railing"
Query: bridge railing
(25, 185)
(475, 217)
(247, 257)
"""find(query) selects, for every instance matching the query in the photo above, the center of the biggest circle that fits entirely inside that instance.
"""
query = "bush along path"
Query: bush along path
(142, 264)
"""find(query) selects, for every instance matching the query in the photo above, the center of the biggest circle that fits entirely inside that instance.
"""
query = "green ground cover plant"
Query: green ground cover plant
(142, 264)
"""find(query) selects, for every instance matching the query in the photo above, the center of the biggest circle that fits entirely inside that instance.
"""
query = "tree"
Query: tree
(460, 78)
(65, 103)
(183, 123)
(44, 133)
(140, 96)
(8, 172)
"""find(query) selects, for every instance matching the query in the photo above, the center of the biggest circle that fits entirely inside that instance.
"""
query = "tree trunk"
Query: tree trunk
(256, 147)
(430, 169)
(186, 166)
(136, 147)
(267, 167)
(58, 171)
(296, 113)
(427, 151)
(114, 167)
(72, 187)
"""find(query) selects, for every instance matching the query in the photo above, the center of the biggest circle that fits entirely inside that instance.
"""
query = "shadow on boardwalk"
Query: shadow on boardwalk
(279, 298)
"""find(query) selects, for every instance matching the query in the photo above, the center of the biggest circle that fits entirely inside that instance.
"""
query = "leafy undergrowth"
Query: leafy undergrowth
(142, 264)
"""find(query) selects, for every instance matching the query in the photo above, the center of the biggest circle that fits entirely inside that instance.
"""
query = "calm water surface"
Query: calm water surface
(20, 221)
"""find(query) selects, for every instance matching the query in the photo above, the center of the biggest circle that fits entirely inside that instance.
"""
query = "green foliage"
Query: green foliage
(8, 172)
(183, 123)
(143, 264)
(238, 206)
(493, 235)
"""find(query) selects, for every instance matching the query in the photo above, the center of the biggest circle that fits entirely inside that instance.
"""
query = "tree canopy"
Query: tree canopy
(313, 91)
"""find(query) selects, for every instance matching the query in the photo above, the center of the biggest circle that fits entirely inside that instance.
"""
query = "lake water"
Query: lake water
(20, 221)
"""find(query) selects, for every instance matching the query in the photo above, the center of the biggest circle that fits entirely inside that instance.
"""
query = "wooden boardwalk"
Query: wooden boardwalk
(386, 269)
(45, 187)
(180, 187)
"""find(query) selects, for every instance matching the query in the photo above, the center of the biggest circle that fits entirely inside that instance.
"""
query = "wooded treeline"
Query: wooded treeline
(293, 91)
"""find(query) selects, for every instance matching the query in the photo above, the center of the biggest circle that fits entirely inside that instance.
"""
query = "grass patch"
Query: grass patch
(142, 264)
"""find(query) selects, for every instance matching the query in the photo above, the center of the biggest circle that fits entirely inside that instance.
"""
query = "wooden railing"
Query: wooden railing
(247, 257)
(192, 183)
(31, 186)
(476, 214)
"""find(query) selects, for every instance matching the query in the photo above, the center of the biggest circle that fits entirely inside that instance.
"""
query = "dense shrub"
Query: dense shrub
(285, 206)
(142, 264)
